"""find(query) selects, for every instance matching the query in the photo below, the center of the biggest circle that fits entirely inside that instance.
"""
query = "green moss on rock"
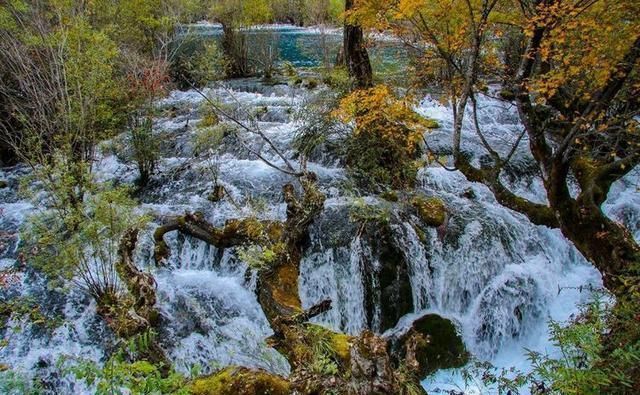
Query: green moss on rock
(240, 381)
(390, 196)
(430, 210)
(431, 124)
(443, 348)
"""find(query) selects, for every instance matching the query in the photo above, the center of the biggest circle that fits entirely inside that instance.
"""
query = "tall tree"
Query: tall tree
(576, 84)
(355, 52)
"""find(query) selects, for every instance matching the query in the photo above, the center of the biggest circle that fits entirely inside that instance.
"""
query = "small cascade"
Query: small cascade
(214, 321)
(337, 274)
(420, 272)
(497, 276)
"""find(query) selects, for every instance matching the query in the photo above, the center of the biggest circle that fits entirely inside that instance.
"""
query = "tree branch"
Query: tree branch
(234, 233)
(615, 82)
(539, 214)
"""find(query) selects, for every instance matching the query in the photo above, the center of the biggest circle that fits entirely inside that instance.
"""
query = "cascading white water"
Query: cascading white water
(491, 271)
(338, 276)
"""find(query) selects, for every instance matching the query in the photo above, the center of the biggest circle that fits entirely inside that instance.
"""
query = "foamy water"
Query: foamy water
(493, 273)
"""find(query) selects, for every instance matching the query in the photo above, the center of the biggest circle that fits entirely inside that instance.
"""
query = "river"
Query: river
(497, 276)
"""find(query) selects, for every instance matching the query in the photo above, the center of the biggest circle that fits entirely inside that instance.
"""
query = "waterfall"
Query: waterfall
(497, 276)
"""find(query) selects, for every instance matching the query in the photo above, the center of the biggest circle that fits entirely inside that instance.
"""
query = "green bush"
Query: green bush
(120, 376)
(144, 149)
(80, 245)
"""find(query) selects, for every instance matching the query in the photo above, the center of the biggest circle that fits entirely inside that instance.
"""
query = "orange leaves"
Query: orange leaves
(378, 112)
(582, 44)
(409, 8)
(372, 14)
(384, 145)
(151, 80)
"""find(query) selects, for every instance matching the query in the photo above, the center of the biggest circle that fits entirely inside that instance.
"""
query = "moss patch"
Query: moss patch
(430, 210)
(284, 284)
(240, 381)
(431, 124)
(443, 349)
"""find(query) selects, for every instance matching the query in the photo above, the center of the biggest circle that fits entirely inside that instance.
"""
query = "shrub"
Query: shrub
(81, 245)
(144, 149)
(121, 376)
(589, 362)
(386, 137)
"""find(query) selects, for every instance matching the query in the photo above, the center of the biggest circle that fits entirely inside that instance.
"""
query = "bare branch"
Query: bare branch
(290, 170)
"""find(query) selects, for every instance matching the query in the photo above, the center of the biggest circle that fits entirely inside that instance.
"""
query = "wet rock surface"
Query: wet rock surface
(433, 343)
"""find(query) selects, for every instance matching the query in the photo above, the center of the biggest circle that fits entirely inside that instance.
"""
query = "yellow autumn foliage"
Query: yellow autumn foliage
(378, 111)
(386, 134)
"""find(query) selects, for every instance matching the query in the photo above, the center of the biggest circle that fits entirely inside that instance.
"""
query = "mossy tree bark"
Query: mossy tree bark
(134, 313)
(610, 247)
(322, 361)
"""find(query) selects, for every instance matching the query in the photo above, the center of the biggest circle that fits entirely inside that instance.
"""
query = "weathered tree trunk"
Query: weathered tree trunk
(609, 246)
(135, 313)
(322, 361)
(355, 53)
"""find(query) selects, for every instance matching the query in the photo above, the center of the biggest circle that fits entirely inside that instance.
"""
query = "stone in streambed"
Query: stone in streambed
(437, 345)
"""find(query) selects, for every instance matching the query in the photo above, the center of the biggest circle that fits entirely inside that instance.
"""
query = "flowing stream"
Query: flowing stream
(497, 276)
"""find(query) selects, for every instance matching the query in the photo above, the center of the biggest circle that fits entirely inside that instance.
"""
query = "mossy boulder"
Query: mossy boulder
(3, 184)
(431, 124)
(431, 211)
(240, 381)
(441, 347)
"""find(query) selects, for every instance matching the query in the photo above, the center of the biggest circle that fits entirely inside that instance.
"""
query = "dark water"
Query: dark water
(310, 47)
